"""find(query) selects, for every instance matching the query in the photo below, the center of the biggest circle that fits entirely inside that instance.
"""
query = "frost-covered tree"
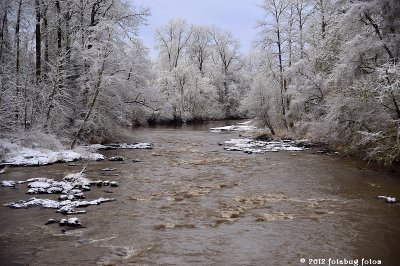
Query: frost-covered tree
(227, 62)
(172, 40)
(200, 47)
(71, 67)
(198, 71)
(366, 77)
(335, 66)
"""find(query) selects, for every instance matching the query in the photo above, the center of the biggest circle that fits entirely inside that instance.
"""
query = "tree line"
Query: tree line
(324, 69)
(69, 67)
(329, 69)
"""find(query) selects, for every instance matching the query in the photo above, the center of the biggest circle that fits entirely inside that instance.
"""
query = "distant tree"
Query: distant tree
(227, 62)
(199, 47)
(198, 71)
(272, 34)
(78, 58)
(172, 40)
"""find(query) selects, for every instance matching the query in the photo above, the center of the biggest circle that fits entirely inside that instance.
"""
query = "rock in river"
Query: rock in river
(71, 188)
(116, 158)
(388, 199)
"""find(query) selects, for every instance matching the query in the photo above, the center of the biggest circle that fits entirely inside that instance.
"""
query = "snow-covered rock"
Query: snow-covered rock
(108, 169)
(65, 206)
(8, 183)
(114, 184)
(388, 199)
(115, 146)
(70, 222)
(241, 127)
(116, 158)
(248, 145)
(71, 188)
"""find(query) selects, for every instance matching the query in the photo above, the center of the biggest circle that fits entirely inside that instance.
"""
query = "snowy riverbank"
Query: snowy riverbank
(18, 155)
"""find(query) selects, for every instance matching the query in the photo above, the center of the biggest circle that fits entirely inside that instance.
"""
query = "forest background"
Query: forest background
(76, 71)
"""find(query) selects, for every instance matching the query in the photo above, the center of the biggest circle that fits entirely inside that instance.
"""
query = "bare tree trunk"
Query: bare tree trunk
(281, 78)
(59, 32)
(3, 46)
(290, 36)
(38, 41)
(58, 79)
(26, 104)
(265, 116)
(60, 57)
(4, 24)
(378, 32)
(17, 65)
(97, 89)
(52, 95)
(301, 37)
(323, 21)
(67, 18)
(46, 35)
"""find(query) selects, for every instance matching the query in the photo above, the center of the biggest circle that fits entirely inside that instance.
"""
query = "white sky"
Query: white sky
(236, 16)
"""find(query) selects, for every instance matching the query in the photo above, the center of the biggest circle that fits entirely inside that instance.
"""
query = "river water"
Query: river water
(189, 202)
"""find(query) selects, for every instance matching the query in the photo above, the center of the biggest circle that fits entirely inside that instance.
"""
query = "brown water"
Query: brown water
(189, 202)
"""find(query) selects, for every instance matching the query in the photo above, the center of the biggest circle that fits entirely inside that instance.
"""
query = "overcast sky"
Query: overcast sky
(236, 16)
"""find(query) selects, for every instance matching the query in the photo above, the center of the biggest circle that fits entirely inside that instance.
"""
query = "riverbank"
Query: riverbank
(47, 149)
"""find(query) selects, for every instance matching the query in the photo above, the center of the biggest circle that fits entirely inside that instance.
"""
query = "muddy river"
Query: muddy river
(190, 202)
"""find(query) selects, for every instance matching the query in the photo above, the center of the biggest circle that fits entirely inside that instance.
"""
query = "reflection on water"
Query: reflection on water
(190, 202)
